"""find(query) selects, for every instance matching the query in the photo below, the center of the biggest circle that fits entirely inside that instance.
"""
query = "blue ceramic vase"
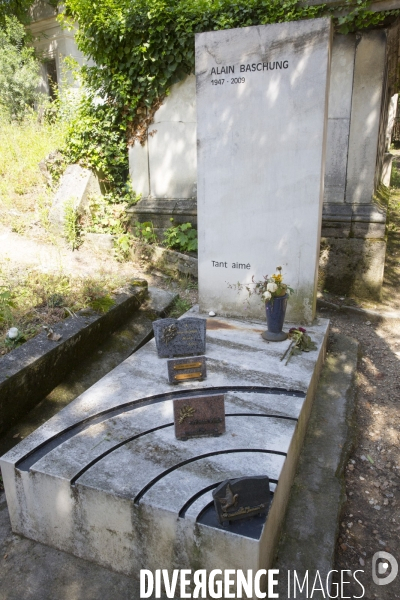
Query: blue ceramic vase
(275, 311)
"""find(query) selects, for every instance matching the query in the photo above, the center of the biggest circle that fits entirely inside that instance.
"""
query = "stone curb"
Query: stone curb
(31, 371)
(368, 312)
(169, 261)
(312, 521)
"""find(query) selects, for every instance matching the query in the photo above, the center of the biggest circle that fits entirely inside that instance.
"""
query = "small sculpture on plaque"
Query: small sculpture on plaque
(242, 498)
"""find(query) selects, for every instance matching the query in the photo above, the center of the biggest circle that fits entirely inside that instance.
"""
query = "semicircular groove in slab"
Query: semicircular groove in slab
(170, 490)
(79, 454)
(29, 459)
(132, 466)
(197, 496)
(107, 452)
(149, 431)
(153, 482)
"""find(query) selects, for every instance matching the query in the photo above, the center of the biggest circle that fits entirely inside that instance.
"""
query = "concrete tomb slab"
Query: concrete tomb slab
(107, 480)
(262, 96)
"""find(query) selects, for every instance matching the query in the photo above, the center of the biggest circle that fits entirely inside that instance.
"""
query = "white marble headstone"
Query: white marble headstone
(262, 97)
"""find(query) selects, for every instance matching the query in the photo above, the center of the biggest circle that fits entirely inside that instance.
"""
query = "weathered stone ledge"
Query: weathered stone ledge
(168, 261)
(164, 213)
(31, 371)
(368, 312)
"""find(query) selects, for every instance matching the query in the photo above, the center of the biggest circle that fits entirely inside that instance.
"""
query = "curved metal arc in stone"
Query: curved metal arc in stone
(104, 454)
(188, 503)
(149, 485)
(27, 461)
(148, 431)
(261, 415)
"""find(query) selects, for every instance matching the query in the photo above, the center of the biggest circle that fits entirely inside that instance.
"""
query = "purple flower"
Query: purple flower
(302, 330)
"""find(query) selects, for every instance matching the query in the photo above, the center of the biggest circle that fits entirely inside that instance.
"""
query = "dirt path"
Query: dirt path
(20, 252)
(370, 521)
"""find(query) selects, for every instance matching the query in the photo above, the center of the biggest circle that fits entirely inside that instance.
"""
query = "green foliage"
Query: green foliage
(145, 232)
(72, 229)
(33, 299)
(359, 17)
(66, 97)
(179, 306)
(142, 48)
(22, 146)
(128, 195)
(104, 215)
(97, 139)
(19, 71)
(123, 246)
(14, 8)
(102, 305)
(6, 304)
(56, 300)
(395, 177)
(181, 237)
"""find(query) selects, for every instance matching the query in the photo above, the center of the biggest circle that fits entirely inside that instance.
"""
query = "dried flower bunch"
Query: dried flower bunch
(300, 342)
(269, 288)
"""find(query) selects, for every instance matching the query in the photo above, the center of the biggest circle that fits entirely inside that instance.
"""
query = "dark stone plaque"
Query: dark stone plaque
(242, 498)
(186, 369)
(199, 416)
(183, 337)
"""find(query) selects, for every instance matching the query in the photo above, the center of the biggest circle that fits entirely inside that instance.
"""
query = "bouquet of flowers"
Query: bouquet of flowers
(268, 288)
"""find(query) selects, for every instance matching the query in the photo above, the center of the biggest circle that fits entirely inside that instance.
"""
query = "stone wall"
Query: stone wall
(52, 44)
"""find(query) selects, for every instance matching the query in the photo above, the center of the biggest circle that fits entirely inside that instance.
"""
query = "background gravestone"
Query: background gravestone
(262, 97)
(76, 184)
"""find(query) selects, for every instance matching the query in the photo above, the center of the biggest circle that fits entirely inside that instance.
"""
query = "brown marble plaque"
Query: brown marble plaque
(199, 416)
(185, 369)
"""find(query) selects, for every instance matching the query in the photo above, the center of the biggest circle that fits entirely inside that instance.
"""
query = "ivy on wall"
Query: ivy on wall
(142, 47)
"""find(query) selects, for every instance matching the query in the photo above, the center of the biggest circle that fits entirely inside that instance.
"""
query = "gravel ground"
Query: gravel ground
(370, 520)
